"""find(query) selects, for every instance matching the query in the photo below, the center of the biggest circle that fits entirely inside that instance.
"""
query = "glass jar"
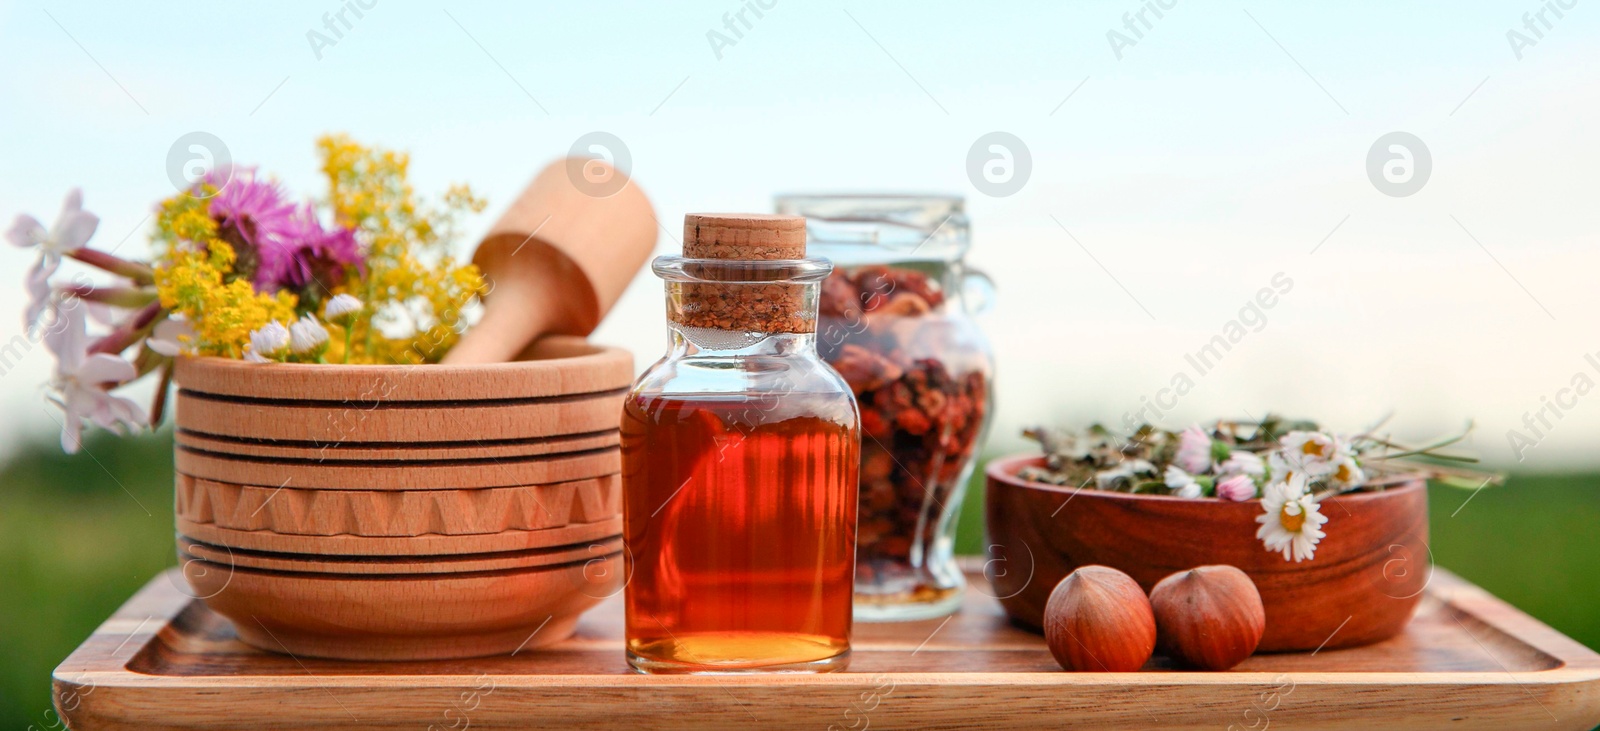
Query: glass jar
(895, 321)
(739, 455)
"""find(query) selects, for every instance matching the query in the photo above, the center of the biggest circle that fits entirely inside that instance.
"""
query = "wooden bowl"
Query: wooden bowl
(402, 512)
(1362, 586)
(565, 387)
(378, 513)
(423, 545)
(452, 475)
(405, 616)
(346, 452)
(189, 550)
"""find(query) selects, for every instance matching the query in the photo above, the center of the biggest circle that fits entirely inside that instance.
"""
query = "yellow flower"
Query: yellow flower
(407, 278)
(408, 275)
(223, 311)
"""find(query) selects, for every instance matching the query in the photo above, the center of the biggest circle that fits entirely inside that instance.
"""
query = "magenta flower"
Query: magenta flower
(279, 245)
(253, 216)
(306, 252)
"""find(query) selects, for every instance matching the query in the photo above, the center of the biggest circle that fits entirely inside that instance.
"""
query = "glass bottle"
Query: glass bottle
(896, 321)
(739, 450)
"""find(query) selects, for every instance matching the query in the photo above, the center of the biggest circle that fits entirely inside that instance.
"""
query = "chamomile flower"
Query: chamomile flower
(1347, 474)
(1292, 521)
(1181, 483)
(308, 339)
(342, 309)
(269, 343)
(1313, 453)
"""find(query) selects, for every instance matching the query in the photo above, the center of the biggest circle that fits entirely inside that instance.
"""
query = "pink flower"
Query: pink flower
(250, 210)
(1241, 462)
(280, 245)
(307, 253)
(1194, 451)
(1238, 488)
(71, 232)
(253, 216)
(82, 381)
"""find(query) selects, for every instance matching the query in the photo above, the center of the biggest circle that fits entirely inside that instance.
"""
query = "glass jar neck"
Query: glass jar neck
(852, 230)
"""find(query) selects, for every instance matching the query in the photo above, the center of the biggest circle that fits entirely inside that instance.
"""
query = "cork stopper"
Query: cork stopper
(745, 236)
(753, 299)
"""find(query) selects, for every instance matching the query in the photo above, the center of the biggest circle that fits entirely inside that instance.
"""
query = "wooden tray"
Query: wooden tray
(1468, 661)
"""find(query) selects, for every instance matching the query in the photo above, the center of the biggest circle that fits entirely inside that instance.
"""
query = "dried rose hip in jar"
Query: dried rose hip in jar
(894, 320)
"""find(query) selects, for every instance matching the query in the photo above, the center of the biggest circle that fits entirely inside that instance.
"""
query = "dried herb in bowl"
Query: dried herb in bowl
(1290, 466)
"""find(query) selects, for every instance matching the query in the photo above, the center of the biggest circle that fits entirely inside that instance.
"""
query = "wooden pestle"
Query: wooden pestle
(558, 258)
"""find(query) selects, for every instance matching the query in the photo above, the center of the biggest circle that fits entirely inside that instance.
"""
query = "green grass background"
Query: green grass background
(79, 534)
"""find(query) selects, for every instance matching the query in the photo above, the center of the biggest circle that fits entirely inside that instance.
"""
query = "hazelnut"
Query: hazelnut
(1208, 617)
(1099, 620)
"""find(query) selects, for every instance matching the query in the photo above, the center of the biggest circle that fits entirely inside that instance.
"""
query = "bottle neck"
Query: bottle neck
(709, 343)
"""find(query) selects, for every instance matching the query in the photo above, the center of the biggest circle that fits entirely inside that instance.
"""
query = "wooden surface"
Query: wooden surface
(1468, 661)
(1365, 580)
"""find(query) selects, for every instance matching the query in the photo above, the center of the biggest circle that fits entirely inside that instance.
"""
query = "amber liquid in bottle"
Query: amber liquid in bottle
(740, 523)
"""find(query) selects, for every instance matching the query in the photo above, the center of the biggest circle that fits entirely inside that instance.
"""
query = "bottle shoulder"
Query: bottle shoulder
(676, 374)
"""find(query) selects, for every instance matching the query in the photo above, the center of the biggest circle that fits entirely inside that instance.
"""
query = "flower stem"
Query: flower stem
(159, 407)
(1429, 450)
(125, 297)
(139, 273)
(131, 331)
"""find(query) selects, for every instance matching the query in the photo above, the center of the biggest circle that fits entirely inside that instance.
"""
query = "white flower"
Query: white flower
(307, 337)
(1242, 463)
(74, 226)
(172, 337)
(42, 298)
(251, 357)
(1348, 474)
(81, 380)
(1292, 521)
(1311, 452)
(342, 309)
(1194, 450)
(1181, 483)
(269, 342)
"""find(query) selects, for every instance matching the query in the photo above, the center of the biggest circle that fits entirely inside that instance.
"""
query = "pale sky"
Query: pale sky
(1223, 147)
